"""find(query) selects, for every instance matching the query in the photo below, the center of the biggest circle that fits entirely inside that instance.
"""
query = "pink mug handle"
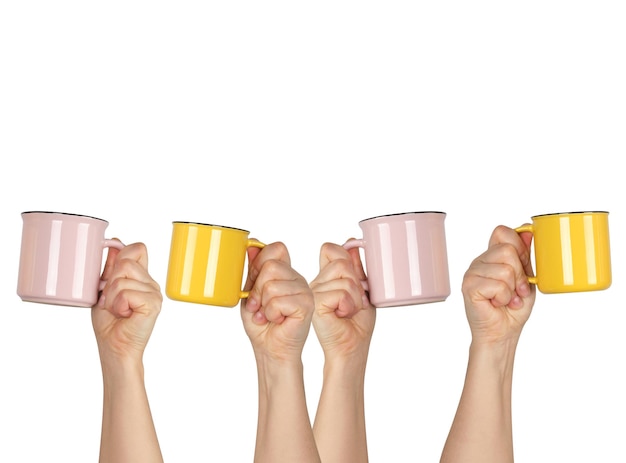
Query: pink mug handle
(357, 243)
(110, 244)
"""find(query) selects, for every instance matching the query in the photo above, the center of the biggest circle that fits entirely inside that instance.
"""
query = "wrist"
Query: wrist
(279, 381)
(117, 356)
(275, 371)
(351, 356)
(343, 368)
(121, 371)
(495, 356)
(278, 358)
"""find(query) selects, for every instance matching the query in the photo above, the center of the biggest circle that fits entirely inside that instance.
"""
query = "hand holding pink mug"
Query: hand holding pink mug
(406, 258)
(61, 258)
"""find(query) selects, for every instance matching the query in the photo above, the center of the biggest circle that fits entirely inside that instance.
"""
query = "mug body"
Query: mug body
(206, 264)
(61, 258)
(406, 258)
(572, 252)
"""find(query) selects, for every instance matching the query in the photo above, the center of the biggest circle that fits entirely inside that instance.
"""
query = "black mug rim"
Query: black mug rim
(209, 225)
(66, 213)
(401, 213)
(568, 213)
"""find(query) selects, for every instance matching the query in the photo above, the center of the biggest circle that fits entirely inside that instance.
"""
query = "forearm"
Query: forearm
(284, 431)
(128, 433)
(482, 428)
(339, 426)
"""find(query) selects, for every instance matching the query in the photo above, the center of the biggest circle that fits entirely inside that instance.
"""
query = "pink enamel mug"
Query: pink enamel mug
(61, 258)
(406, 258)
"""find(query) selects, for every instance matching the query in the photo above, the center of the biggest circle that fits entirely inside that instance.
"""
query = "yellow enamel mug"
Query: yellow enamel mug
(572, 251)
(206, 263)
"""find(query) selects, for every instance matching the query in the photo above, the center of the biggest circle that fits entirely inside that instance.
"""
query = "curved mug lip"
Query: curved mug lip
(212, 225)
(71, 214)
(401, 213)
(569, 213)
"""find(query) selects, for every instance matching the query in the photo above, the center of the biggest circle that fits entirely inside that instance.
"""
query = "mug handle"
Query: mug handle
(357, 243)
(254, 243)
(110, 244)
(530, 229)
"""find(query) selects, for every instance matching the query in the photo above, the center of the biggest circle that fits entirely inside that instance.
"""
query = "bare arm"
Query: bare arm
(128, 432)
(339, 425)
(123, 320)
(284, 428)
(498, 302)
(482, 427)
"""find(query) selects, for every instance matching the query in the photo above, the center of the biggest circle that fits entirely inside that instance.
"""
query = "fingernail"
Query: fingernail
(524, 289)
(259, 318)
(252, 304)
(515, 302)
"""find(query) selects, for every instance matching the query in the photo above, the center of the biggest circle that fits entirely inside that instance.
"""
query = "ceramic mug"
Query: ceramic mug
(206, 263)
(406, 258)
(61, 258)
(572, 251)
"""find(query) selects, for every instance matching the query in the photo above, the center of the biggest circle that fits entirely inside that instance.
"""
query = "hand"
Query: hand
(125, 314)
(277, 313)
(344, 319)
(498, 298)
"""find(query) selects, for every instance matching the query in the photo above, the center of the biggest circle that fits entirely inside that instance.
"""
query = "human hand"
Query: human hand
(344, 319)
(277, 313)
(124, 316)
(498, 298)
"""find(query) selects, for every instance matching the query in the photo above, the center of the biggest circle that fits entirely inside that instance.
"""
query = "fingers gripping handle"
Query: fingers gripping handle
(255, 244)
(110, 244)
(357, 243)
(530, 229)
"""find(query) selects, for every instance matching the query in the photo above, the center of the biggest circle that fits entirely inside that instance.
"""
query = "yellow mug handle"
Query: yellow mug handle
(528, 228)
(254, 243)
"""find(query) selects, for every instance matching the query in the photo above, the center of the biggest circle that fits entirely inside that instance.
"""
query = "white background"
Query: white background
(295, 120)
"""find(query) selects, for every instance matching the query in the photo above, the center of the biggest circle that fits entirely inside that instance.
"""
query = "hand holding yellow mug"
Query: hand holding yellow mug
(206, 263)
(572, 251)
